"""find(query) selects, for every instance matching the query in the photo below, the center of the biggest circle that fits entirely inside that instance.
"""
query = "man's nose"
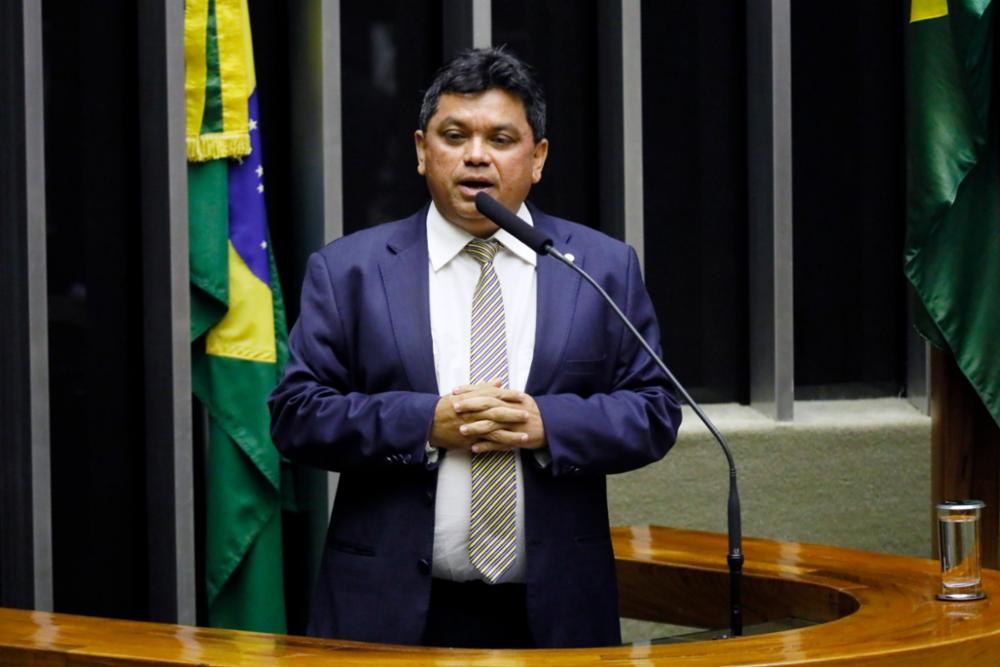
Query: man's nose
(476, 151)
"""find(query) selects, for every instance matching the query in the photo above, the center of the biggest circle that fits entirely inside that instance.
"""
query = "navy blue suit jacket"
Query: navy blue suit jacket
(358, 397)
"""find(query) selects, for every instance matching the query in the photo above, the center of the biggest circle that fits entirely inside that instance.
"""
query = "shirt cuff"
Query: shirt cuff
(543, 457)
(432, 455)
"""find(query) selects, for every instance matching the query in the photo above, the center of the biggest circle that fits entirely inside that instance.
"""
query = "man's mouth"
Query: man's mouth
(472, 186)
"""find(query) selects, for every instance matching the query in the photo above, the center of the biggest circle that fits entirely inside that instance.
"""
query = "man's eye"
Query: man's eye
(453, 135)
(502, 140)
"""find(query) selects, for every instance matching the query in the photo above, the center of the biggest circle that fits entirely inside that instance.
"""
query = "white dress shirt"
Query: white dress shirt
(453, 276)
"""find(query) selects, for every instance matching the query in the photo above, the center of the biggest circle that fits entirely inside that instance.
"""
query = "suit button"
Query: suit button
(429, 495)
(424, 566)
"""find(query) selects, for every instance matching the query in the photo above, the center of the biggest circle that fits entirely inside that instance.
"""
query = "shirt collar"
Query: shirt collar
(445, 240)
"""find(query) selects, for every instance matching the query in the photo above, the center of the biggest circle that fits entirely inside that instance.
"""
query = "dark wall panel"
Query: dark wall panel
(559, 40)
(269, 25)
(92, 109)
(847, 124)
(694, 176)
(390, 50)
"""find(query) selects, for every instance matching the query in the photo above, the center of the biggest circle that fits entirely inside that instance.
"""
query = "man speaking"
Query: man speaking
(473, 396)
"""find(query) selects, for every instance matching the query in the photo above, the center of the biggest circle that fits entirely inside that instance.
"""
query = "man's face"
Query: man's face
(479, 142)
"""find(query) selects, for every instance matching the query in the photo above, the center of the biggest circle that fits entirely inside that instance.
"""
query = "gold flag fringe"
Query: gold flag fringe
(215, 146)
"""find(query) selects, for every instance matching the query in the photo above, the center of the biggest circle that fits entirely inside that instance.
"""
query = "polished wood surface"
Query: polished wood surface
(965, 449)
(884, 610)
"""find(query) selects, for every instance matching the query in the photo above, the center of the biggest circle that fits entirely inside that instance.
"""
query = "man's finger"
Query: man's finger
(482, 396)
(510, 395)
(502, 414)
(504, 437)
(477, 404)
(479, 428)
(495, 383)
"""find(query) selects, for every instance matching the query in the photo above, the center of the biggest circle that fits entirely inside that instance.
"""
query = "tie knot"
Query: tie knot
(483, 251)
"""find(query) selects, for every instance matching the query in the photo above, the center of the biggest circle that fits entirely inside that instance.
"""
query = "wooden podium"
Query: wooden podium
(869, 609)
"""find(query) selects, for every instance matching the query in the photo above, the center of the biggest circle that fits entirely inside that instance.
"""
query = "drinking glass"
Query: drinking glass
(958, 542)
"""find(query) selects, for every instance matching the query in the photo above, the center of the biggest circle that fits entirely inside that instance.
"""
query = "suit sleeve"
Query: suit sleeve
(634, 422)
(317, 419)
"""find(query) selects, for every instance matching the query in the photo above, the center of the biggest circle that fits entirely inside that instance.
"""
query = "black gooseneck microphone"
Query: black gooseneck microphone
(542, 244)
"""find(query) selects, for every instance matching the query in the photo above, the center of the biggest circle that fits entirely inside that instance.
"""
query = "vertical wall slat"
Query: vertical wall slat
(333, 148)
(632, 125)
(619, 72)
(317, 196)
(769, 131)
(166, 313)
(466, 24)
(25, 486)
(38, 316)
(482, 23)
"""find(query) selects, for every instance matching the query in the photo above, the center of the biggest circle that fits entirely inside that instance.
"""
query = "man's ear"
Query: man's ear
(418, 141)
(538, 159)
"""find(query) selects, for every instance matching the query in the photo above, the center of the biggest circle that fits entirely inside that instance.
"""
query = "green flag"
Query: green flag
(238, 332)
(952, 253)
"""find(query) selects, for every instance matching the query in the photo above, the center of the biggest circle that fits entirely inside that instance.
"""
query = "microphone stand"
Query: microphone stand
(735, 555)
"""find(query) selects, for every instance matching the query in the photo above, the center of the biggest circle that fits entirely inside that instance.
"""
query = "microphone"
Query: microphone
(519, 229)
(542, 244)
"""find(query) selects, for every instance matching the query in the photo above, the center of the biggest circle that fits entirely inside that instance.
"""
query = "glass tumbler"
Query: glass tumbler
(959, 548)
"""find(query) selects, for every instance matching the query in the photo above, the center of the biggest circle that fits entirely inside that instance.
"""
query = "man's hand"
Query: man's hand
(485, 417)
(445, 431)
(498, 419)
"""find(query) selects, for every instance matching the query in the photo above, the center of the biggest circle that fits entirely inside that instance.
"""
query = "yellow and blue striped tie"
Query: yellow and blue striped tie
(492, 519)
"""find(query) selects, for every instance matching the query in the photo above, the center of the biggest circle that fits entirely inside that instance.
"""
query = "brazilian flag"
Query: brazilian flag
(238, 324)
(952, 253)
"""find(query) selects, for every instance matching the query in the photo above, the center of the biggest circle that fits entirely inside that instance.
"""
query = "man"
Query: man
(473, 396)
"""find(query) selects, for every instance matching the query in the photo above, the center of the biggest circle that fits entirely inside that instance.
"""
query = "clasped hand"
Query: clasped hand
(485, 418)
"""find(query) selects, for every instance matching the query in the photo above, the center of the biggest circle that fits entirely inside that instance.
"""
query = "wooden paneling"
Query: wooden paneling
(884, 606)
(965, 449)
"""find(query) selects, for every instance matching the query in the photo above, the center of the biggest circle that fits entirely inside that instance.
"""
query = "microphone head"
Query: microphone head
(518, 228)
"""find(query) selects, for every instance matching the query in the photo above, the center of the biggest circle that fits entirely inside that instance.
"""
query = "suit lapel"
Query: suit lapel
(557, 288)
(404, 278)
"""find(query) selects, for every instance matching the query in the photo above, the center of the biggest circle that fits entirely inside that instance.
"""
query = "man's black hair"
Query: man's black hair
(479, 70)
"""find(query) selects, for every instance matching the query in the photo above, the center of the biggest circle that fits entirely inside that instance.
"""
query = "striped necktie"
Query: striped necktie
(492, 514)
